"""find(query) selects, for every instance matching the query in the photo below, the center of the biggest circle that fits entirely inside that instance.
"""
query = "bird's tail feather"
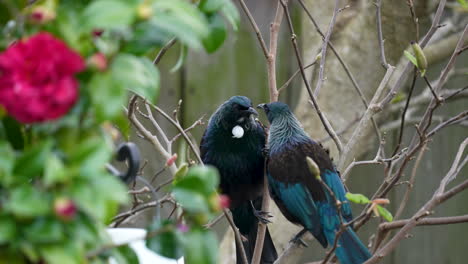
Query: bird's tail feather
(350, 249)
(269, 254)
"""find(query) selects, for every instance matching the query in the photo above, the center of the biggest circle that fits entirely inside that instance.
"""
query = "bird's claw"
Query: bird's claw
(262, 216)
(298, 240)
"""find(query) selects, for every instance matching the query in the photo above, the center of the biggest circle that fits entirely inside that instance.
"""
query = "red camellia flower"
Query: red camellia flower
(37, 80)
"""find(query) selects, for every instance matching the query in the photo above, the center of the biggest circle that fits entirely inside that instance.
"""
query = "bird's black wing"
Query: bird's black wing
(292, 188)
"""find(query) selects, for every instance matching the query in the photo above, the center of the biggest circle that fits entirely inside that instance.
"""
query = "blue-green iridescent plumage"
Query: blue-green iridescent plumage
(240, 162)
(301, 197)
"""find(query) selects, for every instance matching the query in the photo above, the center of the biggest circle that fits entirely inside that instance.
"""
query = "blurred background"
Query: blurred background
(239, 68)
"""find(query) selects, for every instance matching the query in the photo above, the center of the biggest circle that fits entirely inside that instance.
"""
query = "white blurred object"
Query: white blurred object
(237, 132)
(135, 237)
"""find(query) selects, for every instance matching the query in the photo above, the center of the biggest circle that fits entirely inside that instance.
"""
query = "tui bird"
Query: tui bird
(234, 143)
(299, 195)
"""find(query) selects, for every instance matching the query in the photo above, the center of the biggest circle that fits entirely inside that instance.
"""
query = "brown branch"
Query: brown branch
(403, 114)
(358, 133)
(345, 68)
(256, 29)
(181, 131)
(378, 17)
(322, 117)
(324, 48)
(404, 74)
(439, 196)
(285, 85)
(237, 235)
(448, 220)
(163, 50)
(271, 67)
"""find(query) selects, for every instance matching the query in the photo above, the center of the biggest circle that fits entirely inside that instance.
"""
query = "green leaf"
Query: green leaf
(55, 171)
(167, 243)
(31, 162)
(210, 6)
(7, 161)
(217, 33)
(7, 229)
(61, 254)
(357, 198)
(400, 96)
(463, 3)
(14, 132)
(28, 201)
(108, 96)
(45, 230)
(108, 14)
(231, 13)
(383, 212)
(411, 58)
(125, 255)
(181, 19)
(191, 201)
(181, 172)
(201, 247)
(146, 36)
(180, 60)
(201, 179)
(90, 156)
(139, 75)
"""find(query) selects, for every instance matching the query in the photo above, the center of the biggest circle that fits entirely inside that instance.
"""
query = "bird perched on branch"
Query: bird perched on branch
(318, 204)
(234, 143)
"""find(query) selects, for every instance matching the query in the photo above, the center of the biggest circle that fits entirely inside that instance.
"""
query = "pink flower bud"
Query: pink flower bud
(98, 61)
(183, 228)
(224, 201)
(171, 160)
(64, 209)
(97, 33)
(42, 15)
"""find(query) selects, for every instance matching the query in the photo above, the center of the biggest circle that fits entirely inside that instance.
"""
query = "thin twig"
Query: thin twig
(378, 17)
(439, 196)
(404, 74)
(324, 48)
(163, 50)
(285, 85)
(448, 220)
(240, 245)
(255, 27)
(345, 68)
(325, 122)
(271, 68)
(358, 133)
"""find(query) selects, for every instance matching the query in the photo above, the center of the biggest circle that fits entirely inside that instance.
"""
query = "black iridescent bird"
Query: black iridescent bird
(299, 195)
(234, 143)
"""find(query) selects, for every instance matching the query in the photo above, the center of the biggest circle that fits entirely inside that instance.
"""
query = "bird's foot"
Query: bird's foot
(262, 216)
(298, 240)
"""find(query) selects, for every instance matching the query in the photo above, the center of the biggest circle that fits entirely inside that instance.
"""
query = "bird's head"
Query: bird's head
(237, 110)
(275, 110)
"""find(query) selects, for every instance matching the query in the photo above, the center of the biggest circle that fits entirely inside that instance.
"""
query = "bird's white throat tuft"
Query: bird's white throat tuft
(237, 132)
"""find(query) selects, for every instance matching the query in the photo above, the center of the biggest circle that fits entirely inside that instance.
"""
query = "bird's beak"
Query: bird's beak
(261, 106)
(252, 111)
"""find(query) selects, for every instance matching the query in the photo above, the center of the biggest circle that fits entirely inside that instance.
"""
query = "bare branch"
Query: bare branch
(322, 117)
(163, 50)
(324, 48)
(378, 17)
(255, 27)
